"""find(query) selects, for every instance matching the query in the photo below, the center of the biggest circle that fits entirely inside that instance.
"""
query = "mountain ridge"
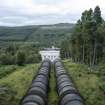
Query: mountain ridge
(43, 34)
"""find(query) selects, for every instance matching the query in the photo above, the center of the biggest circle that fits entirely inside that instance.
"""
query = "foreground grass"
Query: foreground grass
(52, 95)
(86, 82)
(14, 86)
(7, 69)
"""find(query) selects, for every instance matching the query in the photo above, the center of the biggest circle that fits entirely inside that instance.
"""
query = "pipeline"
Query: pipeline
(67, 92)
(37, 92)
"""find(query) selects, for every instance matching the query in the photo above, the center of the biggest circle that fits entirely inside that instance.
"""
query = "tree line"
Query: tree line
(87, 42)
(19, 54)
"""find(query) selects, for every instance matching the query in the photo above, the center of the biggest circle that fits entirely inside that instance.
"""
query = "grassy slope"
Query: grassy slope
(87, 83)
(17, 84)
(7, 69)
(52, 96)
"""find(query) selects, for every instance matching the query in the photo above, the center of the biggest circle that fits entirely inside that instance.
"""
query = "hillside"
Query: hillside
(40, 34)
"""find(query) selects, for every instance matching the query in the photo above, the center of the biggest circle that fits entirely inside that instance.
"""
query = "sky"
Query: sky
(35, 12)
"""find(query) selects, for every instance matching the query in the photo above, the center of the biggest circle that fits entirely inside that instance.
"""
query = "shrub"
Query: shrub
(33, 58)
(20, 58)
(7, 59)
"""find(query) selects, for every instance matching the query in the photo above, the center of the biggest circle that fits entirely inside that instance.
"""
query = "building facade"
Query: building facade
(50, 53)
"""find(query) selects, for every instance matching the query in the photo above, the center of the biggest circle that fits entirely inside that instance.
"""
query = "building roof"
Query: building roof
(51, 49)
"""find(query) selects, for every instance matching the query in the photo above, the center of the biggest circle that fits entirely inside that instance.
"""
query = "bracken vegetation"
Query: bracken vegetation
(87, 81)
(14, 85)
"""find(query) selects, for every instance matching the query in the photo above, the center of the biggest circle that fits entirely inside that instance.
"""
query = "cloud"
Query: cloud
(27, 12)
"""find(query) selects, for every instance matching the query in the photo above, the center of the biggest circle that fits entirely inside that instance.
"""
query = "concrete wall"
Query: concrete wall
(51, 55)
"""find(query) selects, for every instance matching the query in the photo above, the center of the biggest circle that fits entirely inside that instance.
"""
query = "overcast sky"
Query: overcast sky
(31, 12)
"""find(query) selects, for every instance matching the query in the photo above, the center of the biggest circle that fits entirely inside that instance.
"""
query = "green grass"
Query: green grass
(52, 96)
(16, 84)
(7, 69)
(88, 83)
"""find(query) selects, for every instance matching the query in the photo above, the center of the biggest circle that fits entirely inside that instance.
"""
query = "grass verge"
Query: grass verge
(52, 95)
(7, 69)
(86, 82)
(14, 86)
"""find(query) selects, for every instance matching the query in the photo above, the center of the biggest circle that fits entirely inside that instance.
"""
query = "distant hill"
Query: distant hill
(40, 34)
(58, 26)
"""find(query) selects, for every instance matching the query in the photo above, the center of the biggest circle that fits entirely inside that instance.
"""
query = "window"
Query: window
(44, 56)
(52, 57)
